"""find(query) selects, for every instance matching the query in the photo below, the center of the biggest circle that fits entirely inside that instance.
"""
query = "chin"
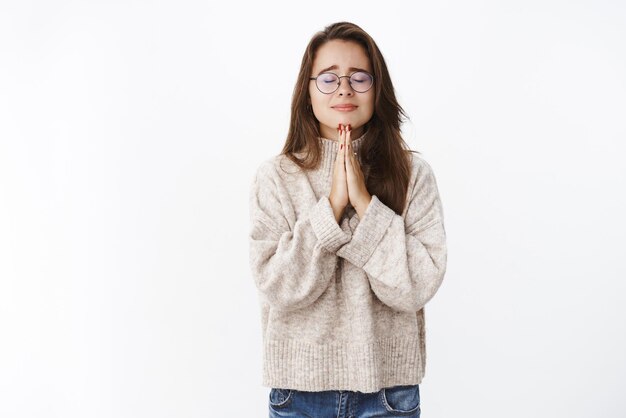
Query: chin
(350, 122)
(353, 125)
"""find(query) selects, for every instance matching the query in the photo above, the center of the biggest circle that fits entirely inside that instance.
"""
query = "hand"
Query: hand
(339, 190)
(357, 190)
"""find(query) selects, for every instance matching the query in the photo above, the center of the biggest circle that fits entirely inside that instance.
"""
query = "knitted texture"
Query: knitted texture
(342, 304)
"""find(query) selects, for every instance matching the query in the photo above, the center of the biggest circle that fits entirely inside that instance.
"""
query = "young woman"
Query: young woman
(347, 242)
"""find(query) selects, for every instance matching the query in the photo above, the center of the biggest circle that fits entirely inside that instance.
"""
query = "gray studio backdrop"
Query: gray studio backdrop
(129, 133)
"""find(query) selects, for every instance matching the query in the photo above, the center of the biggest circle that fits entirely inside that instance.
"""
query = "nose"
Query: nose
(345, 87)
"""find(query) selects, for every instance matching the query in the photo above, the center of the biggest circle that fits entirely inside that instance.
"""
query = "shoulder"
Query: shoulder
(276, 169)
(422, 183)
(423, 200)
(266, 168)
(421, 170)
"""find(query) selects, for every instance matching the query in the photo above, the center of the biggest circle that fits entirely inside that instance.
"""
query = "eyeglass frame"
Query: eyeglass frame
(339, 81)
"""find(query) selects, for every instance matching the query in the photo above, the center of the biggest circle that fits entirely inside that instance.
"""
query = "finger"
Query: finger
(349, 144)
(339, 141)
(349, 170)
(342, 147)
(343, 142)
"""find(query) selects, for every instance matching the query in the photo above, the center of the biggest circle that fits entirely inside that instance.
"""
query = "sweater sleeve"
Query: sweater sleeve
(404, 258)
(292, 260)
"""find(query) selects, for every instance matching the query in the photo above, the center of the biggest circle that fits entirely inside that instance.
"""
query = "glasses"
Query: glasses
(329, 83)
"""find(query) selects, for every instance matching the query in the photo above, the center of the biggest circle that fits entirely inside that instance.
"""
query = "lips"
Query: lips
(345, 107)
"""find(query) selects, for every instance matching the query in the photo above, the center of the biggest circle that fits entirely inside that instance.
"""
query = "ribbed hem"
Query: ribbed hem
(363, 367)
(368, 233)
(325, 227)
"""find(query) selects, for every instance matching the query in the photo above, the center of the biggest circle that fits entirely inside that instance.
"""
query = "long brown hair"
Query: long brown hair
(384, 153)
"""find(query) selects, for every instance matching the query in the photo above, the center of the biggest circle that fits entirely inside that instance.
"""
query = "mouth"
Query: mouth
(345, 108)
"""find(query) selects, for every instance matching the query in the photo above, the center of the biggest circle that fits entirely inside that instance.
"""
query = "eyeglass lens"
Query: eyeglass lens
(359, 81)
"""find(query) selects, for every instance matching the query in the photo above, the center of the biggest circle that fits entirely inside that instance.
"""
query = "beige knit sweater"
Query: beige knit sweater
(342, 305)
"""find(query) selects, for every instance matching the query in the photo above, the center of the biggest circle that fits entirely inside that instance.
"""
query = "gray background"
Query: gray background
(129, 132)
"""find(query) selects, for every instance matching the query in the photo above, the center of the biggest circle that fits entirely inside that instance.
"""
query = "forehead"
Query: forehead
(340, 53)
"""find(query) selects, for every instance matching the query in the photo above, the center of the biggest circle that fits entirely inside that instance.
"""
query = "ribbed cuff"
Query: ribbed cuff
(326, 228)
(368, 233)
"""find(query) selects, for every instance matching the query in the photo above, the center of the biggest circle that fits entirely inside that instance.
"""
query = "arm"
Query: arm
(404, 259)
(292, 261)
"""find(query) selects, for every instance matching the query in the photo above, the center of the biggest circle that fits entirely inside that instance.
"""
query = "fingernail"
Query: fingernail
(349, 127)
(339, 127)
(341, 147)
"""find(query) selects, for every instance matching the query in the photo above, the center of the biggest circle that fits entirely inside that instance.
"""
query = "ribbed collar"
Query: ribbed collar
(330, 149)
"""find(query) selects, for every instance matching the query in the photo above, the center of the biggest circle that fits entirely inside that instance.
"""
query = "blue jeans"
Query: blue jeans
(396, 401)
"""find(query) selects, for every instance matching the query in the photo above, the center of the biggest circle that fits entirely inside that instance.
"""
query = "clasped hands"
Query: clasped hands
(348, 179)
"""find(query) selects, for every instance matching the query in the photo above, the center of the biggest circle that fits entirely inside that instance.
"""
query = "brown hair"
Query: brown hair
(384, 153)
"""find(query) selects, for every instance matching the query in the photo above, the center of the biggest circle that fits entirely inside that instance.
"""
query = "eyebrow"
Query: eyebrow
(334, 67)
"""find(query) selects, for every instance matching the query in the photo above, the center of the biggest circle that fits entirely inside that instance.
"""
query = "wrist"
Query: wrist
(362, 206)
(337, 212)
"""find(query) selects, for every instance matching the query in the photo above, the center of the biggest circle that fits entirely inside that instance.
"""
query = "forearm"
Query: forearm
(293, 267)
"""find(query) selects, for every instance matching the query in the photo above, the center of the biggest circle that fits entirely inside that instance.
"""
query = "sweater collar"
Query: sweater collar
(330, 149)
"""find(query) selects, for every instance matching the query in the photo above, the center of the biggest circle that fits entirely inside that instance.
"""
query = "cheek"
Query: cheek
(317, 102)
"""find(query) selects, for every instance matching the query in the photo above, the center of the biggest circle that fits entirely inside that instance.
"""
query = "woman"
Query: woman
(347, 242)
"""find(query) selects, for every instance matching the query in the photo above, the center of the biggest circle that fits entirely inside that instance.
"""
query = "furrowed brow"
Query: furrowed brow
(334, 67)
